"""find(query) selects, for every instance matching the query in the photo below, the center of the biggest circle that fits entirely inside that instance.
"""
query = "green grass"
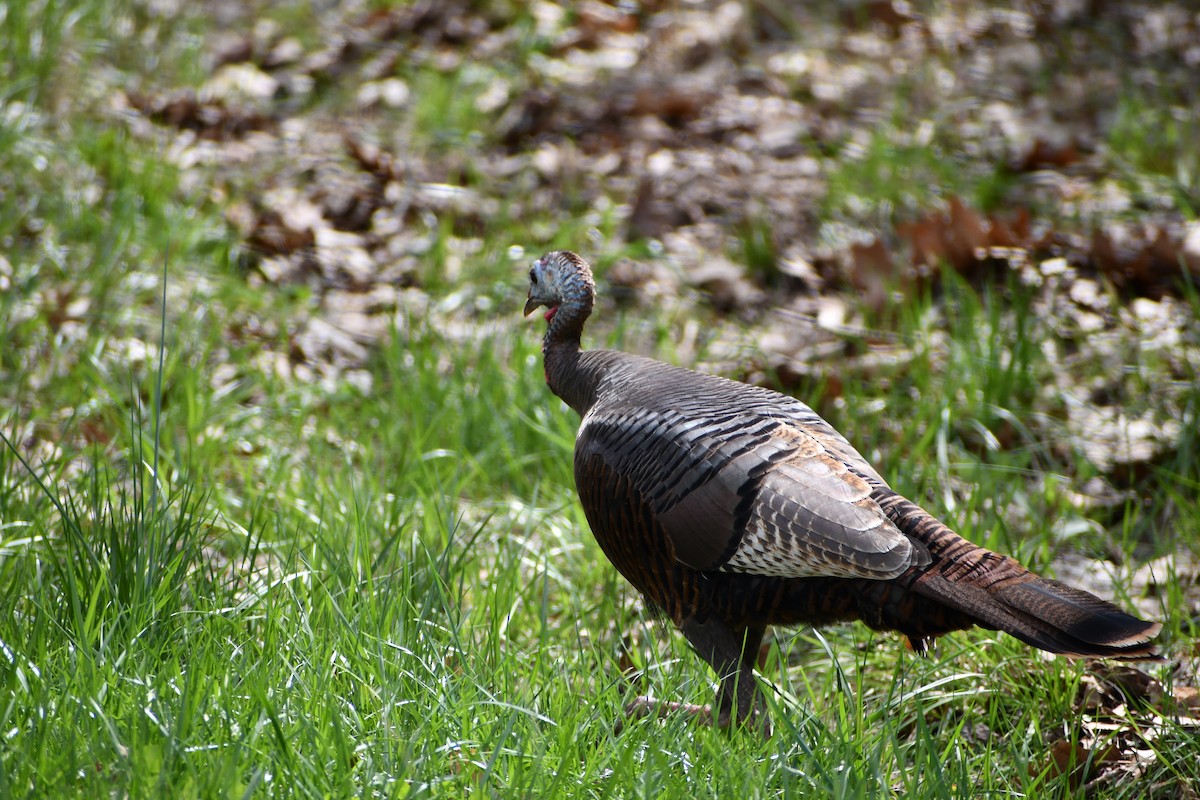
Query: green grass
(1152, 148)
(892, 172)
(218, 581)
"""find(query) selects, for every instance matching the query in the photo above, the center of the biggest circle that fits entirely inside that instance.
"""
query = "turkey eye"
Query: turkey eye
(532, 275)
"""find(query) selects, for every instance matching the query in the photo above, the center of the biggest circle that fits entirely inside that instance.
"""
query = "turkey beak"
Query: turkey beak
(531, 305)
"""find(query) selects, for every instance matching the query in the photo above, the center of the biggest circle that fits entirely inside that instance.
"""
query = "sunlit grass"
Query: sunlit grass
(1153, 147)
(250, 584)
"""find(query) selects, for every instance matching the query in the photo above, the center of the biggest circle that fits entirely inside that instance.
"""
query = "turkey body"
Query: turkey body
(731, 507)
(719, 499)
(670, 474)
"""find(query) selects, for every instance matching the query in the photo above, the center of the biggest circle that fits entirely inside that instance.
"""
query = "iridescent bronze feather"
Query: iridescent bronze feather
(731, 507)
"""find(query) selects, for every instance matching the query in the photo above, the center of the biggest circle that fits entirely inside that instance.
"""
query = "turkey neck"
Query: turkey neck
(562, 354)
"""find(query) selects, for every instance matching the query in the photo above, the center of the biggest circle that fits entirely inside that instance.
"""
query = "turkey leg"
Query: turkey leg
(732, 653)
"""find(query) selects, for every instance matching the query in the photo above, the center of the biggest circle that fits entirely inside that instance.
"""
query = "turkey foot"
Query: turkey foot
(646, 706)
(732, 653)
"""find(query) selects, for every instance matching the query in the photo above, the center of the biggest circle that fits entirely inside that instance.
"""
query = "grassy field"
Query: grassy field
(238, 563)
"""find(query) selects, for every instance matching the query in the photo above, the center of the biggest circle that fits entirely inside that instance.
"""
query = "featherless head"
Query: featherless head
(561, 279)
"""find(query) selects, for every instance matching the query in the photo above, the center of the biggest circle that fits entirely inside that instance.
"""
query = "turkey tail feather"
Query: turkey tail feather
(1001, 594)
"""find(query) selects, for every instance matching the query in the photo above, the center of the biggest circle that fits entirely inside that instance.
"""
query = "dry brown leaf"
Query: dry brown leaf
(594, 19)
(211, 119)
(95, 430)
(960, 238)
(890, 14)
(647, 217)
(967, 233)
(873, 272)
(1133, 684)
(1186, 697)
(1013, 233)
(274, 235)
(1077, 760)
(1143, 261)
(373, 159)
(1043, 154)
(726, 283)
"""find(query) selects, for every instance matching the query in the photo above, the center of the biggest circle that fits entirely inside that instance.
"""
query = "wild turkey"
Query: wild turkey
(731, 507)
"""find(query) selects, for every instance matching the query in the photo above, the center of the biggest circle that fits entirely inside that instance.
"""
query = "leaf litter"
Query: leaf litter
(715, 134)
